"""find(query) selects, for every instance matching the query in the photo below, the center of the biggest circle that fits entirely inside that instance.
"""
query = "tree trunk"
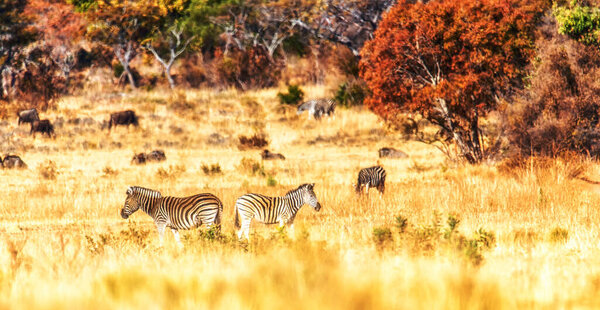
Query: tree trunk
(476, 137)
(468, 150)
(168, 74)
(125, 52)
(67, 75)
(129, 75)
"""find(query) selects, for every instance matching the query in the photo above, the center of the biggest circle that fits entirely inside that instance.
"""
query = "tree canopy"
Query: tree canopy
(450, 61)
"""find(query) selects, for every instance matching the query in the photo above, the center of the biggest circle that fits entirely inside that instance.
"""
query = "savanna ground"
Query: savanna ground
(526, 238)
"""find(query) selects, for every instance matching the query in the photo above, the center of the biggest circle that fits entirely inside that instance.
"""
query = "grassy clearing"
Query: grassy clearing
(421, 245)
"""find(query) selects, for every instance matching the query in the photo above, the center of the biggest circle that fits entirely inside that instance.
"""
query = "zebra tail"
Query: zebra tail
(237, 219)
(218, 217)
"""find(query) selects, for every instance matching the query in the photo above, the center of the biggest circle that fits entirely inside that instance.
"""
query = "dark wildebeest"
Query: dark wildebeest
(44, 126)
(28, 116)
(156, 155)
(266, 155)
(391, 153)
(139, 159)
(125, 118)
(13, 161)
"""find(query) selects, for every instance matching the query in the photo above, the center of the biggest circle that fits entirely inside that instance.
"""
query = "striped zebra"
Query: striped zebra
(271, 210)
(318, 107)
(174, 212)
(371, 177)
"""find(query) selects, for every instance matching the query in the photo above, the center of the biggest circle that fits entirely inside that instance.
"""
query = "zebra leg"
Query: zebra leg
(161, 232)
(176, 235)
(246, 228)
(367, 188)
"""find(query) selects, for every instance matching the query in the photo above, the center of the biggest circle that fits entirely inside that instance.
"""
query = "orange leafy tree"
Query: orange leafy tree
(61, 30)
(451, 62)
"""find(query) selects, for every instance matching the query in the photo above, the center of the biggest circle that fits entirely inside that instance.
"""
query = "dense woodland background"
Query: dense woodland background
(498, 78)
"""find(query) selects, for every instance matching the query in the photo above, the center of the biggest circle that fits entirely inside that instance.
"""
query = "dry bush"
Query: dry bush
(48, 170)
(252, 167)
(243, 69)
(568, 165)
(171, 173)
(192, 71)
(256, 141)
(108, 172)
(560, 110)
(211, 169)
(178, 103)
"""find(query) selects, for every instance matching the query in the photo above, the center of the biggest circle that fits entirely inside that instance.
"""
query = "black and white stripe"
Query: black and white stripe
(174, 212)
(271, 210)
(371, 177)
(318, 107)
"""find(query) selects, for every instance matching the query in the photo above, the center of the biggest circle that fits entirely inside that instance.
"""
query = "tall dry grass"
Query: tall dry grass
(64, 245)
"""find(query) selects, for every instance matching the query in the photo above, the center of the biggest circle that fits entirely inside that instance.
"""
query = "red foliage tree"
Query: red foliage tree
(61, 29)
(450, 61)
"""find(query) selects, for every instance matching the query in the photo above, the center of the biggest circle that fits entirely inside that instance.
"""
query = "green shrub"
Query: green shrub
(118, 69)
(351, 93)
(271, 181)
(431, 238)
(559, 235)
(401, 223)
(293, 96)
(382, 236)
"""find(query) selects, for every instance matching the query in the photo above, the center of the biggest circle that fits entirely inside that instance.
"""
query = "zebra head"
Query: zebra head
(132, 203)
(137, 197)
(308, 105)
(309, 197)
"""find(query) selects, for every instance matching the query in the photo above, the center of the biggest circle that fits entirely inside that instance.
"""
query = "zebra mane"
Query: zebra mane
(142, 190)
(299, 188)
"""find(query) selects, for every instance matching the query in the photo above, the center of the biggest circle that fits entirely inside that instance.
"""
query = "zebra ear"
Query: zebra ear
(129, 191)
(311, 185)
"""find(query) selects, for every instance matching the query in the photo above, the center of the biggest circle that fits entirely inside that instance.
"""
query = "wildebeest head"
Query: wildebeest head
(139, 158)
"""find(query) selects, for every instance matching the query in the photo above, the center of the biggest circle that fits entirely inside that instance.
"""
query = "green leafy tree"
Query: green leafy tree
(169, 38)
(581, 23)
(123, 25)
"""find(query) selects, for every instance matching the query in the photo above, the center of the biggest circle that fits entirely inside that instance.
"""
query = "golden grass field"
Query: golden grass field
(64, 245)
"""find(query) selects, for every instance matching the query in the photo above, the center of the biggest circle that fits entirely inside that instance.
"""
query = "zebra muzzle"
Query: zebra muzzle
(318, 207)
(124, 215)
